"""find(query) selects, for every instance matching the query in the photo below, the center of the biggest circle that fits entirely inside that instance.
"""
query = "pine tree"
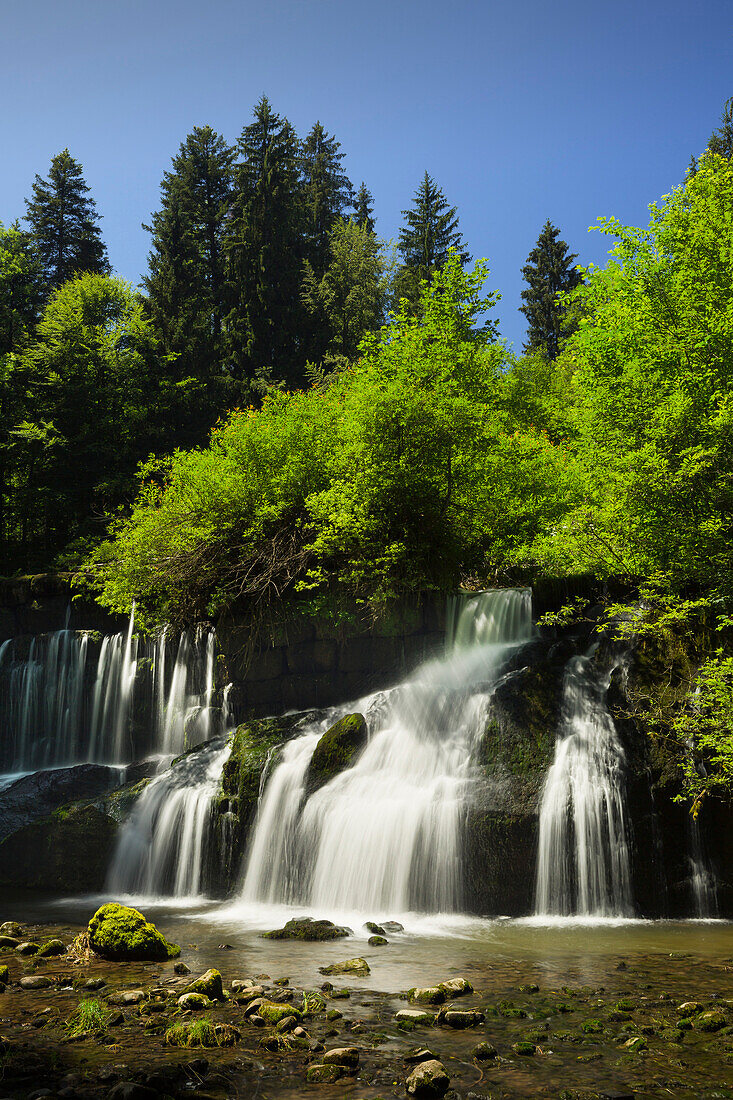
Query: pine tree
(549, 271)
(721, 140)
(186, 283)
(265, 251)
(327, 192)
(431, 231)
(62, 219)
(364, 208)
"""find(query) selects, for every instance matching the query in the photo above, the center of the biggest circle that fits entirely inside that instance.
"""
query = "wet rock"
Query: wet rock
(244, 994)
(689, 1008)
(428, 995)
(286, 1025)
(391, 927)
(336, 750)
(420, 1054)
(94, 983)
(414, 1016)
(304, 928)
(636, 1044)
(35, 981)
(11, 928)
(127, 997)
(181, 968)
(709, 1021)
(484, 1052)
(227, 1034)
(69, 851)
(459, 1020)
(194, 1001)
(273, 1013)
(347, 1057)
(456, 987)
(324, 1075)
(27, 948)
(4, 975)
(119, 933)
(334, 1014)
(50, 948)
(524, 1048)
(377, 941)
(8, 943)
(209, 984)
(375, 929)
(358, 967)
(427, 1080)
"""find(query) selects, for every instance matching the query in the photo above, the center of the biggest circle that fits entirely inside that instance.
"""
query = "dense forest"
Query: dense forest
(290, 407)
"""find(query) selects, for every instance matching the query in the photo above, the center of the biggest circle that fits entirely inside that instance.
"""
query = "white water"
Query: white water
(583, 859)
(384, 835)
(162, 845)
(63, 703)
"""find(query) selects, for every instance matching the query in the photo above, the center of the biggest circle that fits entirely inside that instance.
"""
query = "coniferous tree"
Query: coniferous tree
(21, 289)
(327, 192)
(265, 251)
(364, 208)
(430, 232)
(63, 223)
(721, 140)
(549, 271)
(186, 284)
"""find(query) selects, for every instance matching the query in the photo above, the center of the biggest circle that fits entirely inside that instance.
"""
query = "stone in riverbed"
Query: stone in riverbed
(459, 1020)
(456, 987)
(374, 928)
(420, 1054)
(209, 984)
(194, 1001)
(346, 1057)
(50, 948)
(243, 994)
(94, 983)
(35, 981)
(304, 928)
(324, 1075)
(377, 941)
(4, 975)
(27, 948)
(414, 1016)
(181, 968)
(428, 995)
(359, 967)
(273, 1013)
(11, 928)
(127, 997)
(689, 1008)
(709, 1021)
(119, 933)
(484, 1052)
(392, 926)
(428, 1080)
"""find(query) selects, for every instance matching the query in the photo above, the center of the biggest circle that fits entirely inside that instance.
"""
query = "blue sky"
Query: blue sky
(520, 109)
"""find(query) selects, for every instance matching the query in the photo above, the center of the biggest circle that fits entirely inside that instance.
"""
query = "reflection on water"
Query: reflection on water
(492, 954)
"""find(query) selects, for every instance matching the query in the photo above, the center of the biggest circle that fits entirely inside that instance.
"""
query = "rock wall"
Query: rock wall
(42, 604)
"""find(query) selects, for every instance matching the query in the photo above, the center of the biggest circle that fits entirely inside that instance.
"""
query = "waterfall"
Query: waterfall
(702, 880)
(66, 698)
(160, 849)
(583, 858)
(384, 835)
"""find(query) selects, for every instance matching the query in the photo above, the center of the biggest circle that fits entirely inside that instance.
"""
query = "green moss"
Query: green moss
(117, 932)
(337, 749)
(274, 1013)
(201, 1033)
(253, 746)
(4, 975)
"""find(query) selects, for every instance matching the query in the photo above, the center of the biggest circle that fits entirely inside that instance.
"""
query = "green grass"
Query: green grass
(200, 1033)
(90, 1015)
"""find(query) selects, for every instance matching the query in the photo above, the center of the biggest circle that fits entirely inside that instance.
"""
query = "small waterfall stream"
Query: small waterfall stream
(384, 835)
(583, 860)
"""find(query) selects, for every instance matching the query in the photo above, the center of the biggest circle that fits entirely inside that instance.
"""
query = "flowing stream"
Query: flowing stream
(384, 835)
(583, 860)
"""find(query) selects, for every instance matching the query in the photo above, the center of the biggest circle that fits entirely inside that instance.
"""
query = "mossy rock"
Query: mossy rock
(50, 948)
(359, 967)
(4, 975)
(69, 850)
(119, 933)
(324, 1075)
(8, 943)
(524, 1048)
(209, 984)
(273, 1012)
(377, 941)
(336, 750)
(304, 928)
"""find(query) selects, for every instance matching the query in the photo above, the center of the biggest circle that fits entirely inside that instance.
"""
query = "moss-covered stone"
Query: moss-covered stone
(359, 967)
(273, 1012)
(118, 932)
(209, 984)
(4, 975)
(69, 850)
(51, 948)
(307, 929)
(336, 750)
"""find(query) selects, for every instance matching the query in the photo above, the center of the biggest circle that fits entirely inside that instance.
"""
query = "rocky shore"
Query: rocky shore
(113, 1010)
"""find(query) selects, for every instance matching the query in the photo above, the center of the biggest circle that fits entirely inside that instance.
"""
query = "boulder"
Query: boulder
(35, 981)
(11, 928)
(120, 933)
(50, 948)
(68, 851)
(377, 941)
(8, 943)
(194, 1001)
(347, 1057)
(37, 795)
(305, 928)
(27, 948)
(209, 984)
(428, 995)
(358, 967)
(272, 1012)
(336, 750)
(427, 1080)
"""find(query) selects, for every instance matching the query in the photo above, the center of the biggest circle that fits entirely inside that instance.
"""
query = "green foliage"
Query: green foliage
(90, 1015)
(550, 276)
(21, 290)
(403, 472)
(705, 726)
(200, 1033)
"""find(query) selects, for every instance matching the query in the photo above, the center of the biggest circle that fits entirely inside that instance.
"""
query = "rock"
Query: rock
(193, 1001)
(209, 984)
(689, 1008)
(94, 983)
(456, 987)
(4, 975)
(429, 995)
(358, 967)
(377, 941)
(304, 928)
(287, 1024)
(51, 948)
(227, 1034)
(273, 1013)
(120, 933)
(35, 981)
(375, 929)
(11, 928)
(459, 1020)
(336, 750)
(524, 1048)
(323, 1075)
(37, 795)
(244, 994)
(181, 968)
(127, 997)
(8, 943)
(420, 1054)
(709, 1021)
(414, 1016)
(67, 851)
(428, 1079)
(347, 1057)
(484, 1052)
(27, 948)
(635, 1044)
(392, 926)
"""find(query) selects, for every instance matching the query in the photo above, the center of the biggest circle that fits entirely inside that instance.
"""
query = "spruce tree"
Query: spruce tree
(327, 192)
(364, 208)
(186, 281)
(431, 230)
(265, 251)
(63, 223)
(549, 271)
(721, 140)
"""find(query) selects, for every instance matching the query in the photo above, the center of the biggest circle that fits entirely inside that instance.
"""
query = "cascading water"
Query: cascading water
(161, 847)
(384, 835)
(583, 859)
(65, 699)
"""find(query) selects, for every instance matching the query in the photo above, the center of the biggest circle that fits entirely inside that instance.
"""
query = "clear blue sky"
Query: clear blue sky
(520, 109)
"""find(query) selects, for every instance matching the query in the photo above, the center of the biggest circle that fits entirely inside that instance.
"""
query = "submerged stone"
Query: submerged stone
(484, 1052)
(324, 1075)
(305, 928)
(118, 932)
(359, 967)
(428, 1080)
(428, 995)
